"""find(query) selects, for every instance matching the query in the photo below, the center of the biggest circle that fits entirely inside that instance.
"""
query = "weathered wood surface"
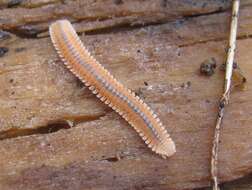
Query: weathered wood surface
(241, 184)
(160, 62)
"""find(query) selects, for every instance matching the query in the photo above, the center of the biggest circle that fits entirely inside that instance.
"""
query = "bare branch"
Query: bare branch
(225, 97)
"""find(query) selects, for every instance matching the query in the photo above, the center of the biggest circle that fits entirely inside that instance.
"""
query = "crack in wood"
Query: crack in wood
(31, 31)
(52, 127)
(241, 37)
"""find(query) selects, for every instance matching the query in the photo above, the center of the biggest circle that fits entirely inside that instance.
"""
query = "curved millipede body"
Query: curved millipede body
(78, 59)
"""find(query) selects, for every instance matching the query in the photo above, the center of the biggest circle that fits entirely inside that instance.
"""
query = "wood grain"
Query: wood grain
(94, 147)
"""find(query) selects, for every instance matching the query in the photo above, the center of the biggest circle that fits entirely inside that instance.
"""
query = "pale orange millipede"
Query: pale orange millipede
(78, 59)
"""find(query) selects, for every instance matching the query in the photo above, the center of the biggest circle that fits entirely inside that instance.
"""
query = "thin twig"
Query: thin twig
(225, 97)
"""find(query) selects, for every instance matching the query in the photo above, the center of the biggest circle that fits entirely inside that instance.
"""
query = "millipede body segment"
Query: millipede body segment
(83, 65)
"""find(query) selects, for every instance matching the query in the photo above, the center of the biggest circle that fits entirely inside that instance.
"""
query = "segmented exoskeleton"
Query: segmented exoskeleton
(82, 64)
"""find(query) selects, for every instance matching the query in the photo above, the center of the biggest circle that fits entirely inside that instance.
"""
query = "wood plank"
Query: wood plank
(101, 151)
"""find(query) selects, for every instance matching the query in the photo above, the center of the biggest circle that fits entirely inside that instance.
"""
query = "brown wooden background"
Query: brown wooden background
(54, 134)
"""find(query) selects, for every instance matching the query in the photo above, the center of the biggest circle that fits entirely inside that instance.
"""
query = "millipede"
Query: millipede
(83, 65)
